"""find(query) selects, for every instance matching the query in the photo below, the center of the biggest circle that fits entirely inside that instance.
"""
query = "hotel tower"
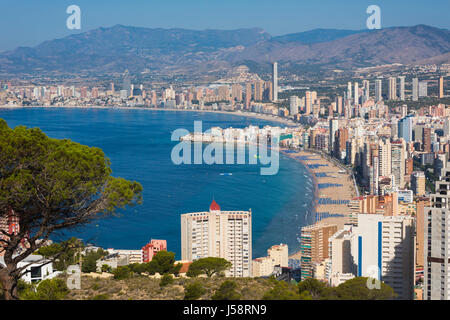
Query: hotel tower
(275, 81)
(217, 233)
(437, 242)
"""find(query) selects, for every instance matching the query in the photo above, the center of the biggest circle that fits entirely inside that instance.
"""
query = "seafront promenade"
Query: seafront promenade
(334, 188)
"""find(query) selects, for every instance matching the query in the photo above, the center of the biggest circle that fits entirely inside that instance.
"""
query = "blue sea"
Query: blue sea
(138, 142)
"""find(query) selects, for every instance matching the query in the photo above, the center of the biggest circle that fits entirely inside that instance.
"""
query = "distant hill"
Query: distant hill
(316, 36)
(115, 49)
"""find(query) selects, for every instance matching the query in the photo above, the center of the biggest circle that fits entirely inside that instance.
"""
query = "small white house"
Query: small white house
(36, 271)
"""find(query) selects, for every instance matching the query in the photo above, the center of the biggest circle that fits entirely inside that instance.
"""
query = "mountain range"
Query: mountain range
(108, 50)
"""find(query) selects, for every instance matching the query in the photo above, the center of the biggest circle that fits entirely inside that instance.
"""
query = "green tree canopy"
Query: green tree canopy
(194, 291)
(163, 262)
(209, 266)
(49, 186)
(282, 291)
(50, 289)
(312, 287)
(89, 263)
(123, 272)
(227, 291)
(166, 280)
(357, 289)
(64, 253)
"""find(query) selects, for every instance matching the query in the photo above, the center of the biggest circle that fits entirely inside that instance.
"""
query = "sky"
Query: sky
(30, 22)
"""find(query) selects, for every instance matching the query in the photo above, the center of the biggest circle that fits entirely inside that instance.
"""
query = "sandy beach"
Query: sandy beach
(333, 188)
(260, 116)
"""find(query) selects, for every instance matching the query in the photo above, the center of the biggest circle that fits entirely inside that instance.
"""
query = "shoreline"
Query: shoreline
(293, 154)
(259, 116)
(344, 190)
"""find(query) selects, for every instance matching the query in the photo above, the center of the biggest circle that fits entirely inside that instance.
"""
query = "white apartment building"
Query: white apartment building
(398, 155)
(217, 233)
(341, 259)
(133, 256)
(437, 242)
(276, 256)
(383, 248)
(380, 247)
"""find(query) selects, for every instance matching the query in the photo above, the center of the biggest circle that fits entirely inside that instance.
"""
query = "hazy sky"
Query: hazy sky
(29, 22)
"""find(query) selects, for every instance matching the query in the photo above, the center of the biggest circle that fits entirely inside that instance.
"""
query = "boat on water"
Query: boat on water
(226, 174)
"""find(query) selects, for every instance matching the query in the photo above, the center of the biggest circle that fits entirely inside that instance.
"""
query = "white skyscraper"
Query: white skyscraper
(293, 105)
(356, 98)
(423, 89)
(402, 88)
(415, 89)
(275, 81)
(334, 126)
(392, 88)
(398, 152)
(349, 90)
(366, 88)
(383, 248)
(216, 233)
(437, 242)
(378, 90)
(447, 127)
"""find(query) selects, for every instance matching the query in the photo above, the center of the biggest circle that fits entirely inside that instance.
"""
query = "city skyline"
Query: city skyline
(309, 166)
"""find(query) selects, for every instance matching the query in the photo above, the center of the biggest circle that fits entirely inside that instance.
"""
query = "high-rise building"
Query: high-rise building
(339, 105)
(248, 95)
(366, 88)
(349, 90)
(356, 97)
(293, 105)
(378, 90)
(405, 128)
(441, 87)
(402, 88)
(236, 92)
(383, 248)
(127, 83)
(418, 183)
(426, 136)
(308, 102)
(275, 81)
(334, 126)
(415, 89)
(447, 127)
(392, 88)
(437, 242)
(314, 246)
(423, 89)
(224, 93)
(259, 90)
(217, 233)
(421, 203)
(341, 262)
(268, 91)
(398, 152)
(384, 157)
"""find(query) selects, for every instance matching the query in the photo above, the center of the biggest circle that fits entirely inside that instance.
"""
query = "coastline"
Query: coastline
(259, 116)
(315, 158)
(340, 188)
